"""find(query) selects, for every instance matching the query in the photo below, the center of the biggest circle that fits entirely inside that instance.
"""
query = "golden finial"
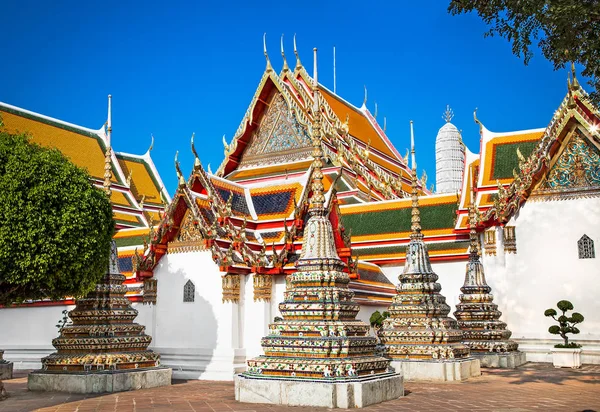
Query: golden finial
(415, 221)
(576, 84)
(180, 179)
(107, 154)
(269, 67)
(225, 145)
(298, 63)
(317, 200)
(285, 64)
(197, 163)
(449, 114)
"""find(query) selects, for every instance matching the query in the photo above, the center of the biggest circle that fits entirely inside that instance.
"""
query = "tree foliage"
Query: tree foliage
(565, 30)
(55, 229)
(566, 324)
(377, 318)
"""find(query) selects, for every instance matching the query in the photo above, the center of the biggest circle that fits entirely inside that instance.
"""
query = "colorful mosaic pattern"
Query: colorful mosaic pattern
(102, 336)
(478, 317)
(419, 327)
(279, 138)
(577, 166)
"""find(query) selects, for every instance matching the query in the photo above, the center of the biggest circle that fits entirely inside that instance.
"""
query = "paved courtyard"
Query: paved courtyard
(533, 387)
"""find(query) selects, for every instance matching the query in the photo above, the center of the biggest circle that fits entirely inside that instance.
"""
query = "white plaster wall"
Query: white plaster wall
(546, 268)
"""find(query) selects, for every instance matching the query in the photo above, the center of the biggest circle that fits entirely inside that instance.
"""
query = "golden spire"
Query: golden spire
(415, 220)
(317, 200)
(285, 64)
(107, 154)
(269, 67)
(298, 63)
(474, 238)
(197, 163)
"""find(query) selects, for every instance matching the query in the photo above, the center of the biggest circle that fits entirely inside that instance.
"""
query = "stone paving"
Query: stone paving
(532, 387)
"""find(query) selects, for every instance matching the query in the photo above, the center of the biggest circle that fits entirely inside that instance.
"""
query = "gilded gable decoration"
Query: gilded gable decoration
(231, 287)
(577, 167)
(189, 238)
(490, 242)
(510, 239)
(262, 287)
(279, 137)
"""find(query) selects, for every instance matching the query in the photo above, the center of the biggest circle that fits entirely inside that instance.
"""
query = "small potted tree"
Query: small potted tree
(567, 354)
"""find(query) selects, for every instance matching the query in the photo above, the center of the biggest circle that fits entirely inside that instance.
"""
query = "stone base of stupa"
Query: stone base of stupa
(98, 382)
(443, 370)
(506, 360)
(349, 393)
(6, 370)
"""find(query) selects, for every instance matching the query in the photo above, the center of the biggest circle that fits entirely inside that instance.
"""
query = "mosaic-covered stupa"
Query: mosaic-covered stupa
(319, 337)
(103, 335)
(478, 317)
(419, 327)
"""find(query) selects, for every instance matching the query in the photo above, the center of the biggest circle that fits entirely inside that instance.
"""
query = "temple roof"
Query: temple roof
(137, 187)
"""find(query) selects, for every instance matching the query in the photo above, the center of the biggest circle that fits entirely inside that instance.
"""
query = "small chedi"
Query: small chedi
(102, 340)
(419, 336)
(319, 340)
(478, 317)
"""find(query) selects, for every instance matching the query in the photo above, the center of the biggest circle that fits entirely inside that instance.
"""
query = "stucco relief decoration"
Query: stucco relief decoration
(490, 242)
(189, 238)
(262, 287)
(231, 288)
(578, 166)
(510, 239)
(279, 138)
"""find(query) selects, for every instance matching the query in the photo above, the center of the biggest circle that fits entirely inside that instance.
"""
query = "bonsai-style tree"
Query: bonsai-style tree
(377, 319)
(566, 324)
(56, 227)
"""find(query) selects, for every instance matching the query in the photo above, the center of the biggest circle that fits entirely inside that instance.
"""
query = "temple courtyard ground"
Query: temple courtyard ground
(532, 387)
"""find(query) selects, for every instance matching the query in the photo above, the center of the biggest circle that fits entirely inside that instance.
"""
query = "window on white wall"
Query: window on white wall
(586, 248)
(189, 291)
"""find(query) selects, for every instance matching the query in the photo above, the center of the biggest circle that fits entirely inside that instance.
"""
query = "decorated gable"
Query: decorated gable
(279, 137)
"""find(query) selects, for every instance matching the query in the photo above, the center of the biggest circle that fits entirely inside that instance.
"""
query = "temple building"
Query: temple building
(215, 263)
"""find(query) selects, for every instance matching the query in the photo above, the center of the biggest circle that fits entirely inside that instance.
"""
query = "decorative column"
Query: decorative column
(479, 318)
(319, 354)
(422, 341)
(102, 341)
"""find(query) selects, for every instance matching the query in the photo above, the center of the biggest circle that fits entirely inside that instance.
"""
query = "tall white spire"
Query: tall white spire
(449, 156)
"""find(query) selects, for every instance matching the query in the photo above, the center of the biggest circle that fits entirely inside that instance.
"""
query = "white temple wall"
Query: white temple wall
(199, 339)
(27, 333)
(546, 269)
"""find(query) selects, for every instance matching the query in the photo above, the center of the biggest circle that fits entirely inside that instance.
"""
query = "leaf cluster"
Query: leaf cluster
(377, 318)
(56, 228)
(564, 30)
(566, 324)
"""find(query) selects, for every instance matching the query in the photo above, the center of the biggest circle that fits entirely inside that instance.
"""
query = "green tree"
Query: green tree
(55, 229)
(566, 324)
(565, 30)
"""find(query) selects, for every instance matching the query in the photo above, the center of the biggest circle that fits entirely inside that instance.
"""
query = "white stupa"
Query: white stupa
(449, 156)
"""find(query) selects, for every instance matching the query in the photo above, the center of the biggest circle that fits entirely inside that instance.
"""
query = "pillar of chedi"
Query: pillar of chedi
(419, 337)
(478, 317)
(319, 354)
(102, 350)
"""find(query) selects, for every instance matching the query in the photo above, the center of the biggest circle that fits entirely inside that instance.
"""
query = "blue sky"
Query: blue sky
(175, 68)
